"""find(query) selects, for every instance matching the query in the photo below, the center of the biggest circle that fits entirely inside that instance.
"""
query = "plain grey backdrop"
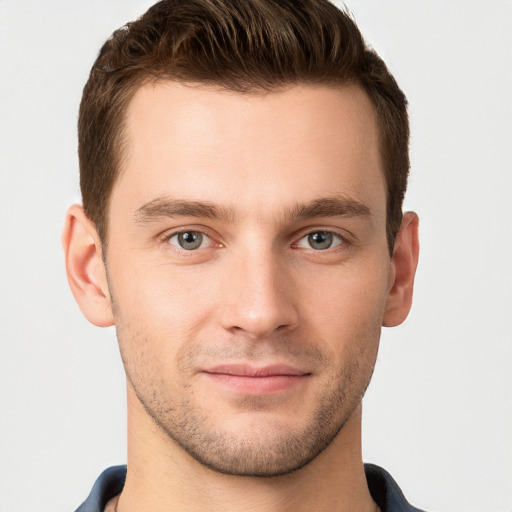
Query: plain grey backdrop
(438, 414)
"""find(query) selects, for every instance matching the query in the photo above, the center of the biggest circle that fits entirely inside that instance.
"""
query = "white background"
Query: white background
(438, 414)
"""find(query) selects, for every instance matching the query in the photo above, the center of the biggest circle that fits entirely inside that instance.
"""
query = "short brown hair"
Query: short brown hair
(243, 46)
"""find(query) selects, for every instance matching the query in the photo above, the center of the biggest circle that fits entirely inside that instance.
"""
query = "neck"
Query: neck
(161, 476)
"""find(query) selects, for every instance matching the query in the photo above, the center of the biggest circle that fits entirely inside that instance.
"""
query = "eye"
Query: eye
(320, 240)
(189, 240)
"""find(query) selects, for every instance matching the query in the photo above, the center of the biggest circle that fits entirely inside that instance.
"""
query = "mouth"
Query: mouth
(263, 380)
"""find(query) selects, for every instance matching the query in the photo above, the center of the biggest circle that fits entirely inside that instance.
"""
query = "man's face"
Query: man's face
(248, 268)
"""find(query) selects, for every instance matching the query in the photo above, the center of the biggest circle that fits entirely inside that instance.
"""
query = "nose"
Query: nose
(259, 295)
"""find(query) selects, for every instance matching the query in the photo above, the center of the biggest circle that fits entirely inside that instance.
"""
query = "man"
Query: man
(243, 166)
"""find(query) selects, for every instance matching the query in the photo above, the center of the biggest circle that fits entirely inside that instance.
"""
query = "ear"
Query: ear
(403, 268)
(85, 268)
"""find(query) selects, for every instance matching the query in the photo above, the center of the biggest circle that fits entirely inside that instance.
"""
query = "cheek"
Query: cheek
(154, 321)
(161, 298)
(347, 298)
(344, 312)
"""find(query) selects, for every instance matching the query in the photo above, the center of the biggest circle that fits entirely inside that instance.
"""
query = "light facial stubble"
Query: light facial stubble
(269, 449)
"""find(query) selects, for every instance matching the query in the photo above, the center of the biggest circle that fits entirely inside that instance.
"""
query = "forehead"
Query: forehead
(289, 145)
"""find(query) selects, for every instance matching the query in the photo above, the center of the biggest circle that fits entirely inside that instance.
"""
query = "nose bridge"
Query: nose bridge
(260, 291)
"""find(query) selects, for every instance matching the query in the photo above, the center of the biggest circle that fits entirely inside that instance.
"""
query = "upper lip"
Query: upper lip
(246, 370)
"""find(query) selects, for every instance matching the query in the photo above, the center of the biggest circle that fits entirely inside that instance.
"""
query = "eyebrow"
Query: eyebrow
(164, 207)
(329, 207)
(336, 206)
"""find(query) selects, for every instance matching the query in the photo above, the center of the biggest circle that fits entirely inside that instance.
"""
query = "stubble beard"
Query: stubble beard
(274, 450)
(245, 453)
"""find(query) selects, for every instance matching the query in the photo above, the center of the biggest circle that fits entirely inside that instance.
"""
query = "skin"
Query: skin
(268, 181)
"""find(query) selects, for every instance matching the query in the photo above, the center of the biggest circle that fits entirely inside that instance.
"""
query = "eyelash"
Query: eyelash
(336, 241)
(169, 236)
(340, 241)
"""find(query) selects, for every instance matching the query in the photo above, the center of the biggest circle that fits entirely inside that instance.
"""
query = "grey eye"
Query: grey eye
(188, 240)
(320, 240)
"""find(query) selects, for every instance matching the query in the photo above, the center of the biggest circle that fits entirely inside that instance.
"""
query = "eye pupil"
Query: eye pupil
(190, 240)
(320, 240)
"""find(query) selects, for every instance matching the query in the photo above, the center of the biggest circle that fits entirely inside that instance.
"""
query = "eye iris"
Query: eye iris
(190, 240)
(320, 240)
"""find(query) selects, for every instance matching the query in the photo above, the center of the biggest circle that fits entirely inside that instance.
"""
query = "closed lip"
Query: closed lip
(247, 370)
(248, 380)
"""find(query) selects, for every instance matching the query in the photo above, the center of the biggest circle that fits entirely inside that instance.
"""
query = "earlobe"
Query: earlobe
(85, 268)
(403, 269)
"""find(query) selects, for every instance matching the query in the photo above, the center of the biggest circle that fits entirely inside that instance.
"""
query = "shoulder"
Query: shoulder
(385, 491)
(108, 485)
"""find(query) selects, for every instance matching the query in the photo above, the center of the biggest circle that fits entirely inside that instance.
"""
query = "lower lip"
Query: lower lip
(266, 385)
